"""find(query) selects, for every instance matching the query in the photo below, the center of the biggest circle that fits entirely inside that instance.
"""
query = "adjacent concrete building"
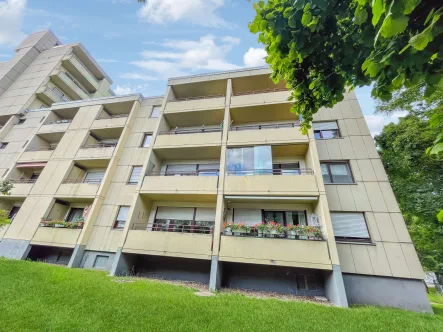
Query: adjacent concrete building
(145, 185)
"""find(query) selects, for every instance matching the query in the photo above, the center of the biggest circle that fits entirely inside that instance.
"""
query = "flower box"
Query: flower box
(59, 226)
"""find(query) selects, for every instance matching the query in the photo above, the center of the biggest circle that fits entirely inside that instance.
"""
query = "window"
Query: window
(350, 227)
(336, 172)
(13, 212)
(135, 175)
(325, 130)
(306, 282)
(208, 169)
(94, 176)
(156, 112)
(249, 160)
(74, 214)
(121, 217)
(286, 169)
(21, 121)
(34, 176)
(285, 218)
(193, 169)
(3, 145)
(184, 219)
(146, 140)
(100, 261)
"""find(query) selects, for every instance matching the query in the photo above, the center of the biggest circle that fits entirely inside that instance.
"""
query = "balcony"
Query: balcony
(260, 97)
(37, 154)
(78, 188)
(197, 182)
(300, 182)
(275, 251)
(69, 84)
(181, 241)
(189, 137)
(195, 104)
(266, 133)
(80, 72)
(56, 236)
(56, 126)
(22, 187)
(50, 95)
(96, 150)
(117, 120)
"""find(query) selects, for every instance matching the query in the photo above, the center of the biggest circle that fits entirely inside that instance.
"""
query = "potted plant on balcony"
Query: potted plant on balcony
(276, 229)
(59, 224)
(44, 222)
(303, 233)
(262, 229)
(227, 226)
(240, 228)
(80, 222)
(293, 231)
(314, 233)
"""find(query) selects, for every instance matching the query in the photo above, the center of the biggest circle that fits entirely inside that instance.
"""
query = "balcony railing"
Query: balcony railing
(178, 131)
(23, 181)
(266, 126)
(197, 98)
(253, 92)
(274, 171)
(179, 226)
(203, 172)
(99, 145)
(115, 116)
(89, 181)
(277, 232)
(50, 148)
(76, 83)
(58, 122)
(62, 224)
(59, 94)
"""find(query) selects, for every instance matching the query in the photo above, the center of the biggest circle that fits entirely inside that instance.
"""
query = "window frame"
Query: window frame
(12, 217)
(320, 131)
(152, 112)
(285, 222)
(169, 225)
(71, 213)
(116, 222)
(132, 171)
(347, 239)
(142, 145)
(3, 145)
(328, 165)
(305, 279)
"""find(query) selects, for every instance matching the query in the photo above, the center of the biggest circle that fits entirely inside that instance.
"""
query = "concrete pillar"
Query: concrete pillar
(123, 264)
(77, 256)
(335, 288)
(14, 249)
(215, 280)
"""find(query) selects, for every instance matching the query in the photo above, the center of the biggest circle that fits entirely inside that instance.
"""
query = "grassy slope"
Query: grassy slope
(36, 296)
(436, 301)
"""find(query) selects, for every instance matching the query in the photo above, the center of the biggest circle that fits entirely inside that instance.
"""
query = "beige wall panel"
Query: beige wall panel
(352, 127)
(58, 211)
(385, 227)
(188, 140)
(148, 126)
(35, 156)
(126, 156)
(379, 170)
(361, 199)
(260, 98)
(199, 104)
(370, 147)
(379, 260)
(346, 148)
(21, 189)
(75, 144)
(359, 147)
(346, 110)
(60, 237)
(333, 149)
(400, 227)
(109, 123)
(282, 135)
(367, 172)
(346, 198)
(3, 230)
(122, 174)
(134, 140)
(113, 192)
(364, 130)
(372, 226)
(53, 128)
(389, 197)
(333, 200)
(361, 259)
(356, 174)
(95, 153)
(325, 114)
(336, 113)
(396, 260)
(346, 260)
(195, 184)
(355, 107)
(375, 197)
(107, 215)
(64, 144)
(322, 149)
(113, 241)
(77, 189)
(51, 177)
(342, 128)
(412, 260)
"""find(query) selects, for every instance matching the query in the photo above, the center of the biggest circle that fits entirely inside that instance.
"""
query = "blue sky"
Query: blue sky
(139, 46)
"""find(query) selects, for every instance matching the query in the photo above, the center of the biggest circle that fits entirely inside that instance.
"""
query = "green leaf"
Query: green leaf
(433, 79)
(397, 82)
(306, 18)
(410, 6)
(377, 11)
(420, 41)
(288, 11)
(373, 69)
(430, 90)
(270, 16)
(307, 7)
(360, 15)
(437, 149)
(393, 25)
(440, 216)
(431, 13)
(292, 21)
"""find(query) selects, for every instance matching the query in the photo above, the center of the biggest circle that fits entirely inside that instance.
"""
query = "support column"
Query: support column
(122, 265)
(335, 287)
(14, 249)
(77, 256)
(215, 280)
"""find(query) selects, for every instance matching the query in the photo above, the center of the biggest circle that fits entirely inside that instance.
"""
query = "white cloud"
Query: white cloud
(126, 89)
(377, 122)
(44, 26)
(184, 57)
(107, 60)
(254, 57)
(123, 90)
(199, 12)
(11, 17)
(137, 76)
(112, 35)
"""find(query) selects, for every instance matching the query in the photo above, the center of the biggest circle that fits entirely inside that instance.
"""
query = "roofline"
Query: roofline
(220, 72)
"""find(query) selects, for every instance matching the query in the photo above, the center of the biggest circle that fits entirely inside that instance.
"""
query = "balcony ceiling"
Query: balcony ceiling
(93, 163)
(52, 137)
(271, 200)
(179, 197)
(119, 108)
(108, 133)
(281, 151)
(262, 113)
(253, 83)
(67, 113)
(189, 153)
(76, 200)
(198, 89)
(195, 118)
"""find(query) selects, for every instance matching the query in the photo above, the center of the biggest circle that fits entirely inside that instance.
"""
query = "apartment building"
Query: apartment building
(172, 186)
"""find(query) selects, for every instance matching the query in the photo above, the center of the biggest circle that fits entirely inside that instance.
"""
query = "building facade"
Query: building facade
(172, 186)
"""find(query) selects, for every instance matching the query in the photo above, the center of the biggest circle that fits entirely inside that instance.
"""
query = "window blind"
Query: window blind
(179, 213)
(347, 224)
(249, 216)
(135, 175)
(324, 125)
(205, 214)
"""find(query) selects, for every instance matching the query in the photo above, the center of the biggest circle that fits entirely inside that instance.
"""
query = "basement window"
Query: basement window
(306, 282)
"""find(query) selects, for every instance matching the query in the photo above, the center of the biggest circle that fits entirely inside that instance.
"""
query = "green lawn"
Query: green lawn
(41, 297)
(436, 302)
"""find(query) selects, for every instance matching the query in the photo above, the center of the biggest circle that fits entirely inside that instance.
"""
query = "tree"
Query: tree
(321, 47)
(4, 218)
(5, 187)
(417, 181)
